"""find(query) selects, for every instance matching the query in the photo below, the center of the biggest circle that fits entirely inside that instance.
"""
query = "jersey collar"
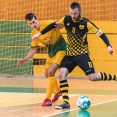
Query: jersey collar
(77, 21)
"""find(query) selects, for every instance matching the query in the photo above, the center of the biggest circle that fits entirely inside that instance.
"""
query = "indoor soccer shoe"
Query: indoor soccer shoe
(47, 102)
(63, 106)
(56, 96)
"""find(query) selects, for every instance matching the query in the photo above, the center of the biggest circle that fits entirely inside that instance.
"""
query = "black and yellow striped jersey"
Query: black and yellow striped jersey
(77, 34)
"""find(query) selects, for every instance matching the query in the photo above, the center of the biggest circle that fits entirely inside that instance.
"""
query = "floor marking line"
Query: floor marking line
(78, 108)
(73, 95)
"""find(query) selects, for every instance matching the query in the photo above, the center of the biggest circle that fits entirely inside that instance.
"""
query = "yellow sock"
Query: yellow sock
(50, 87)
(56, 87)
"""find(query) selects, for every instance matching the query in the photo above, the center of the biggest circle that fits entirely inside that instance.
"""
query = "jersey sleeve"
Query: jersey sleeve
(39, 42)
(91, 27)
(94, 29)
(61, 21)
(98, 32)
(48, 28)
(52, 26)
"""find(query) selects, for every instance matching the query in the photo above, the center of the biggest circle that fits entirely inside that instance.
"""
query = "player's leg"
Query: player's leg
(52, 64)
(101, 76)
(67, 65)
(51, 85)
(64, 89)
(85, 63)
(57, 91)
(87, 66)
(105, 76)
(51, 81)
(57, 60)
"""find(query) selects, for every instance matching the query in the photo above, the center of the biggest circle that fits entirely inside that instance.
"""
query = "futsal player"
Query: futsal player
(56, 45)
(77, 53)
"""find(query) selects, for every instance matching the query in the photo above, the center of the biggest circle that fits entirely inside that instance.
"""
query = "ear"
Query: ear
(80, 11)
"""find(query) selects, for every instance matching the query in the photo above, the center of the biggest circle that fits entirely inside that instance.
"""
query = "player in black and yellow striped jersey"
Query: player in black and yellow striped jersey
(56, 45)
(77, 53)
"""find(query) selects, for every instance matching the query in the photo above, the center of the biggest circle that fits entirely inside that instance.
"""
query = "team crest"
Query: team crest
(47, 39)
(81, 26)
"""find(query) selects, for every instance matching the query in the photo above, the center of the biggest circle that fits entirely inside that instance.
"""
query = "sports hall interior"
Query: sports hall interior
(23, 88)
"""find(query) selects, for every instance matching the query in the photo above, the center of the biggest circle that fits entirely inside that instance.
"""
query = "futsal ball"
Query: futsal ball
(83, 102)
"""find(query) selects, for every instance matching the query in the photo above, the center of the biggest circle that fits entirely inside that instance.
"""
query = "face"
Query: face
(34, 23)
(75, 14)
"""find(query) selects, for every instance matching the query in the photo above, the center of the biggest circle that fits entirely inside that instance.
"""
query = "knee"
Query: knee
(61, 75)
(91, 77)
(51, 72)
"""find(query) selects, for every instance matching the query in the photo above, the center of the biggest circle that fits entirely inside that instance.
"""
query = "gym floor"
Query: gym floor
(103, 102)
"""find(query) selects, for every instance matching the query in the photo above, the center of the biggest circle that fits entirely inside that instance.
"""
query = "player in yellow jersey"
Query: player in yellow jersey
(56, 51)
(77, 53)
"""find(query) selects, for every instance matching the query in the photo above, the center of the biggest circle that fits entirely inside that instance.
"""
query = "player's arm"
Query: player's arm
(32, 51)
(45, 30)
(29, 55)
(106, 41)
(58, 24)
(101, 34)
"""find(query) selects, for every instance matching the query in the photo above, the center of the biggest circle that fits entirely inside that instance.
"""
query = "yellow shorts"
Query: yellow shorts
(55, 59)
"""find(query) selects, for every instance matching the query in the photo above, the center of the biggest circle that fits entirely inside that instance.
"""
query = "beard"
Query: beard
(78, 18)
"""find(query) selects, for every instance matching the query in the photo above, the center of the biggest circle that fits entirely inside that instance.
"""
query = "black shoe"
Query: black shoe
(63, 106)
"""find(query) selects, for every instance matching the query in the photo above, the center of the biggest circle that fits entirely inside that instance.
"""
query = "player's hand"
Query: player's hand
(36, 36)
(59, 26)
(110, 50)
(21, 62)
